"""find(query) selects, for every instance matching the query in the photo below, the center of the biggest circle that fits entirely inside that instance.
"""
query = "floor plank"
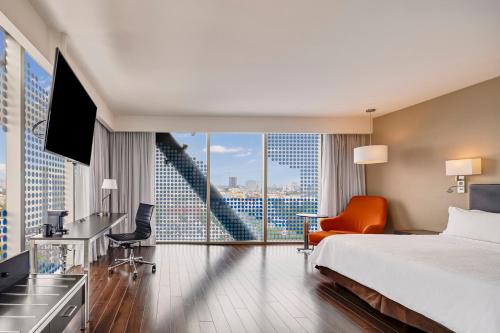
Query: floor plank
(234, 288)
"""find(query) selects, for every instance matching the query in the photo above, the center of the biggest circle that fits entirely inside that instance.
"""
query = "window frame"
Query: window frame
(264, 175)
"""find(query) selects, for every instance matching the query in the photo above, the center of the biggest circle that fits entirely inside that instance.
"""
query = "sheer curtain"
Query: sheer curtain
(99, 167)
(132, 165)
(82, 203)
(341, 179)
(82, 185)
(99, 170)
(88, 181)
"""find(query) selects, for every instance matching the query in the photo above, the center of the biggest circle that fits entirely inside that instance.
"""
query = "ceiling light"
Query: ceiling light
(371, 154)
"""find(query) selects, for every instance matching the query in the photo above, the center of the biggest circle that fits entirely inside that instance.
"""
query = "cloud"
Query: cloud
(244, 154)
(218, 149)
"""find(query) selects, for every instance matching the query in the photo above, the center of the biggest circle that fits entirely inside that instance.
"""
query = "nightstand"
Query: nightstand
(415, 232)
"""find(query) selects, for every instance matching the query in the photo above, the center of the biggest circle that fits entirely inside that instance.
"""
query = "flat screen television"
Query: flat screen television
(72, 113)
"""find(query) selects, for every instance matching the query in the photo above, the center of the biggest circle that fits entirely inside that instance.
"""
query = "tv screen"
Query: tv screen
(70, 123)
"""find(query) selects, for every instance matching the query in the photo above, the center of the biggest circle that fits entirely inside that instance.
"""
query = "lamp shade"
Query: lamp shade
(464, 167)
(371, 154)
(109, 184)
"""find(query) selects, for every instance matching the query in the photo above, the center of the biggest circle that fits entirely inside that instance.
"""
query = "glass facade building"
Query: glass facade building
(44, 172)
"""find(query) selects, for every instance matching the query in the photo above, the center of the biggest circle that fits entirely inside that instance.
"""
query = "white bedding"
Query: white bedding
(453, 281)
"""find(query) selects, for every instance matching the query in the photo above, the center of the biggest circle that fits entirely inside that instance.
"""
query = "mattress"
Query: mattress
(452, 281)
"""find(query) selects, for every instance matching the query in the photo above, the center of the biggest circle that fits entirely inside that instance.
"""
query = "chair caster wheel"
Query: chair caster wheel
(110, 270)
(153, 269)
(134, 276)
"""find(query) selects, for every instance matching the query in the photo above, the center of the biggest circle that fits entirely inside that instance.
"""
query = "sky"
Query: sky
(236, 155)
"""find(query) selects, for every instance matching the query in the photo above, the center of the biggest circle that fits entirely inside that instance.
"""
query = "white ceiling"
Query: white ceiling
(277, 57)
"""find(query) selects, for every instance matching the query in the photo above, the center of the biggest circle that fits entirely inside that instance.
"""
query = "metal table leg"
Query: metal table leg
(86, 270)
(306, 248)
(33, 258)
(84, 314)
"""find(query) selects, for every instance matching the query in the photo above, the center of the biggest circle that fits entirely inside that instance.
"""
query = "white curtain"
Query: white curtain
(82, 185)
(82, 202)
(99, 170)
(341, 179)
(132, 165)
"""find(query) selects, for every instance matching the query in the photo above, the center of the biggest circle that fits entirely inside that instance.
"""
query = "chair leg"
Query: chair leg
(121, 262)
(118, 260)
(135, 270)
(131, 254)
(140, 261)
(132, 261)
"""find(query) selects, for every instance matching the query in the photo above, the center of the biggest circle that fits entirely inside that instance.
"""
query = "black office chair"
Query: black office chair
(142, 232)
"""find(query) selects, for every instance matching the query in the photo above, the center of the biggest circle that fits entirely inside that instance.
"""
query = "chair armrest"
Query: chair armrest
(373, 229)
(332, 223)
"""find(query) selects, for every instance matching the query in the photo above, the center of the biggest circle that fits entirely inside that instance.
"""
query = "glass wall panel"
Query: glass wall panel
(44, 172)
(3, 177)
(293, 162)
(181, 170)
(236, 187)
(236, 181)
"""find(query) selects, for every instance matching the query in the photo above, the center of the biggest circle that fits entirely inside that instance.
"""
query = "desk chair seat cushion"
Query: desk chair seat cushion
(132, 237)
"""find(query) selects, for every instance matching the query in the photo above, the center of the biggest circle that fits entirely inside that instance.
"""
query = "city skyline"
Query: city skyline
(236, 155)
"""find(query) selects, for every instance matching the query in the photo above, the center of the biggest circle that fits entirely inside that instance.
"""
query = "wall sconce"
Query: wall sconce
(460, 169)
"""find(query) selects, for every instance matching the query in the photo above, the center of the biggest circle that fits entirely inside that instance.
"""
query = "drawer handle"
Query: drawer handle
(69, 311)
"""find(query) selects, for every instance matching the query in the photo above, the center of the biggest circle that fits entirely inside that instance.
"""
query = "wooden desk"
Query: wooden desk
(79, 233)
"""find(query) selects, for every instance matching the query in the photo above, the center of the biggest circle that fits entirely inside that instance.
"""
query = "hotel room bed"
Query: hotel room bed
(436, 283)
(452, 281)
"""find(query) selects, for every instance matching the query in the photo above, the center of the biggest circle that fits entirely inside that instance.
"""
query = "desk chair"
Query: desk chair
(142, 232)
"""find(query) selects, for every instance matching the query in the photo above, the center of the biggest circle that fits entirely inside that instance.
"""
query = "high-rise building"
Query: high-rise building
(233, 182)
(252, 185)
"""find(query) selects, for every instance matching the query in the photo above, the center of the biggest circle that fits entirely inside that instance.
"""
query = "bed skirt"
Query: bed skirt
(383, 304)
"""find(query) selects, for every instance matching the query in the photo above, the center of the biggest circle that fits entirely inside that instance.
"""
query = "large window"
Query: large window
(44, 172)
(292, 183)
(226, 178)
(236, 191)
(181, 170)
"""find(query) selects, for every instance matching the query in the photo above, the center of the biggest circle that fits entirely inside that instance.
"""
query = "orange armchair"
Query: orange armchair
(363, 215)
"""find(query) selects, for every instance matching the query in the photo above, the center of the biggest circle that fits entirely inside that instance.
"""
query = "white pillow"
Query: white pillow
(473, 224)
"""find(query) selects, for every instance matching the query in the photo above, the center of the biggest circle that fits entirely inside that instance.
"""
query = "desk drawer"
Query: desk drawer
(70, 309)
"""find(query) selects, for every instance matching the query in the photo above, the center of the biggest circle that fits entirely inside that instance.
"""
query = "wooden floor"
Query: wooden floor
(243, 288)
